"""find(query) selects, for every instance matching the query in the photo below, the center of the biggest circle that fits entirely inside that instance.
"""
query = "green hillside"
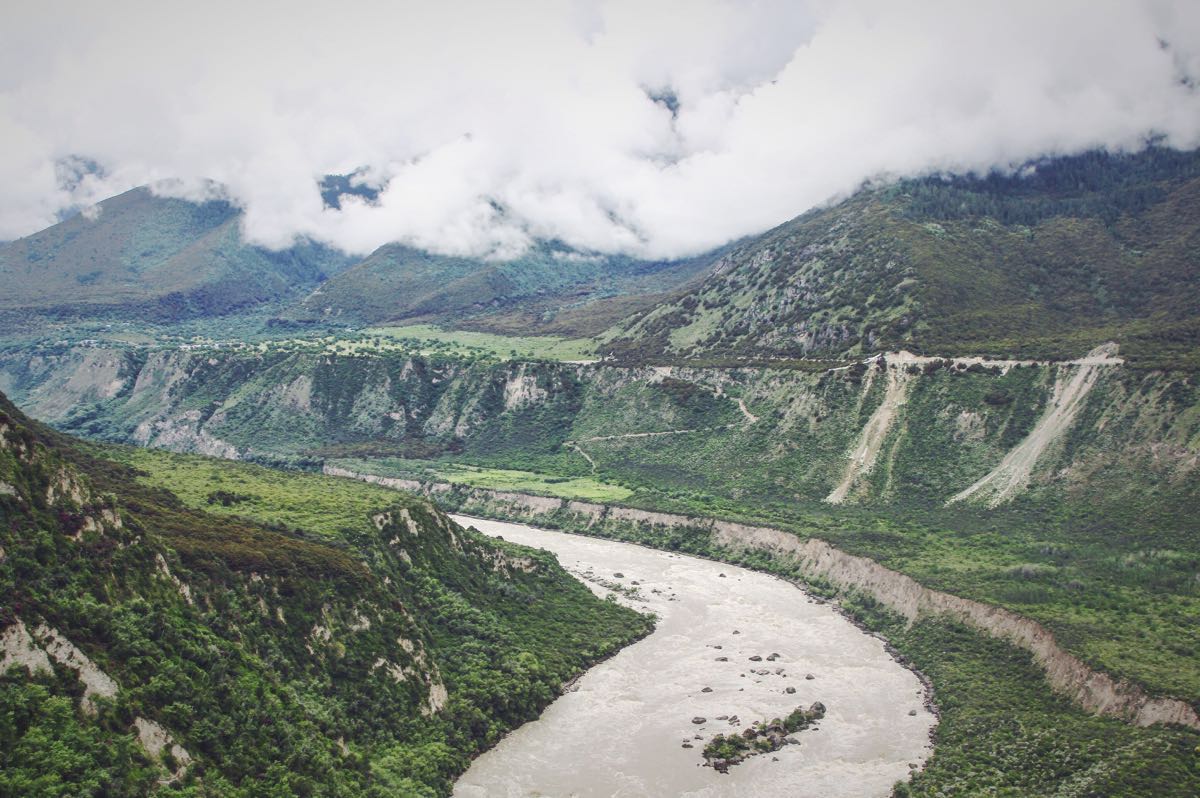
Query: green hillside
(251, 633)
(151, 259)
(549, 289)
(1069, 254)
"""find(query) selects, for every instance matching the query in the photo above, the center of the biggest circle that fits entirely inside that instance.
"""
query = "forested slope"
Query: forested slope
(260, 634)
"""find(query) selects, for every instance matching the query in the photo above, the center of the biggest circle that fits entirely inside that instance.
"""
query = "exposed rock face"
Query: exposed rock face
(155, 739)
(870, 441)
(1095, 691)
(521, 389)
(21, 650)
(387, 482)
(183, 433)
(1071, 388)
(95, 681)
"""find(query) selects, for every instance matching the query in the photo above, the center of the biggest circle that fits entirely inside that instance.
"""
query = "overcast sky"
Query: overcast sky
(489, 124)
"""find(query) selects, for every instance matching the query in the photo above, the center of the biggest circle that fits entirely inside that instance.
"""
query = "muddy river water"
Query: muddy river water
(620, 732)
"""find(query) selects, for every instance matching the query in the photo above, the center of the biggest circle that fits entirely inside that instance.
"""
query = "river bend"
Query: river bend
(621, 730)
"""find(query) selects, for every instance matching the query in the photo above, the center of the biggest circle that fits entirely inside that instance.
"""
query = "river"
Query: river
(620, 732)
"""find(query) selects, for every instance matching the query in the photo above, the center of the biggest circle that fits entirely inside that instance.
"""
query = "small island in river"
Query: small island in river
(725, 751)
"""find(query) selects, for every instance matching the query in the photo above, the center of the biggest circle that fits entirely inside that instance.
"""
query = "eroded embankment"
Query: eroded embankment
(1012, 475)
(1095, 691)
(870, 440)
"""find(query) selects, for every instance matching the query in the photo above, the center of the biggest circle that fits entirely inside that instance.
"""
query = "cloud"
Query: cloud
(488, 125)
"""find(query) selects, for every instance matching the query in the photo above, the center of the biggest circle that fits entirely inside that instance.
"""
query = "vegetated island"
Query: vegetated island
(725, 751)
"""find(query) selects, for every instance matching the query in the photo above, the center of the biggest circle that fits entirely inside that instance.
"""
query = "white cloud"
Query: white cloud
(488, 125)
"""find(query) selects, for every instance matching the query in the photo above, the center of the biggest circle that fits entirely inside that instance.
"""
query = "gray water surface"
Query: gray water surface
(620, 732)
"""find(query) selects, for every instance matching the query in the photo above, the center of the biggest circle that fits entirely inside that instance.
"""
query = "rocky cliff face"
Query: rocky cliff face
(982, 451)
(898, 429)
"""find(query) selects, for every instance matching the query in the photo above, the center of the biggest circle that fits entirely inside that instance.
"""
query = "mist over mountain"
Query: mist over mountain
(480, 128)
(1049, 261)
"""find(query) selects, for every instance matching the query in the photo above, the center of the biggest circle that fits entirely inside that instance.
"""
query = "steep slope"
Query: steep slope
(1065, 256)
(146, 257)
(370, 646)
(550, 289)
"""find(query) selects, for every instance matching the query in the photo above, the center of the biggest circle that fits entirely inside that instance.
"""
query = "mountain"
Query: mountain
(1035, 452)
(257, 634)
(1049, 262)
(138, 257)
(143, 257)
(550, 289)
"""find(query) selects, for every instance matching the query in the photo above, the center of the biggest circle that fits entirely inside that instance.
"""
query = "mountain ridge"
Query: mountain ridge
(1102, 248)
(1045, 262)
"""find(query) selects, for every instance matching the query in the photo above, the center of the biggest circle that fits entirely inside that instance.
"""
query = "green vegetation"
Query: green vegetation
(762, 737)
(1002, 732)
(583, 488)
(516, 347)
(293, 633)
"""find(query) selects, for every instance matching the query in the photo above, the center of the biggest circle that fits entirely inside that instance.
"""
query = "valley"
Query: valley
(960, 414)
